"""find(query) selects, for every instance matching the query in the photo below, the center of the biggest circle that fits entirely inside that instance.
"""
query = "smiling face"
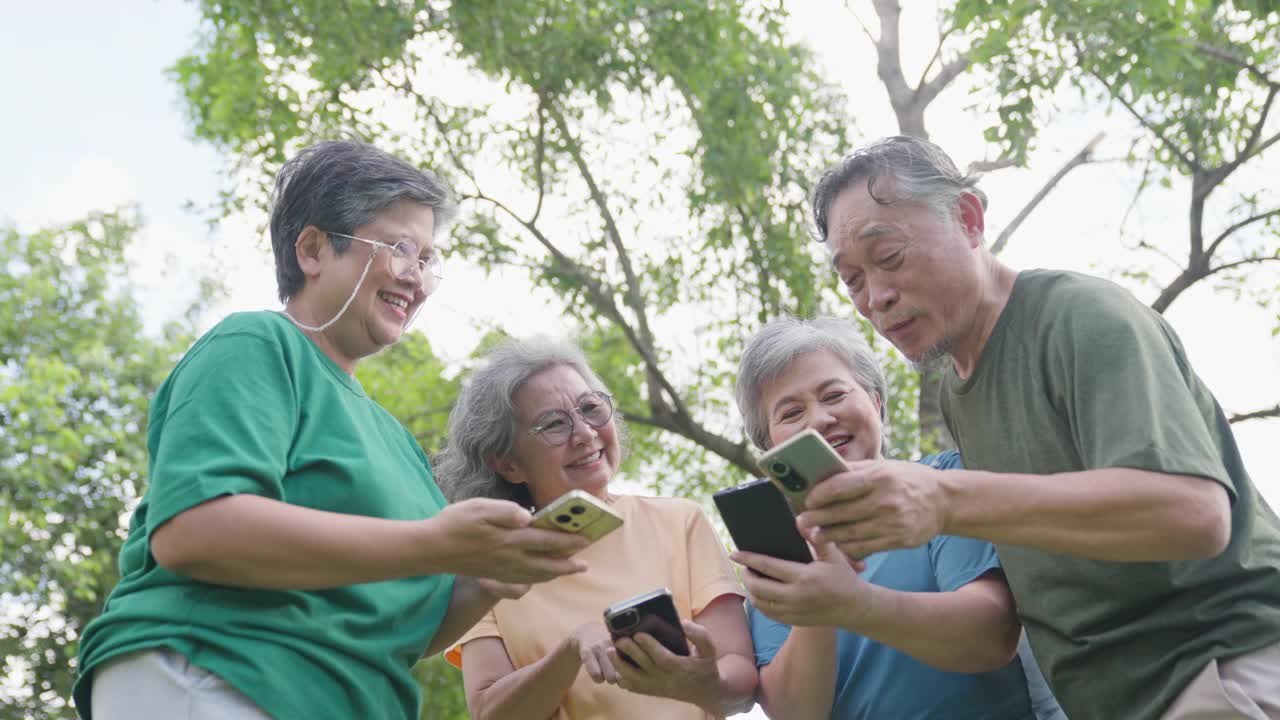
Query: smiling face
(915, 276)
(383, 303)
(819, 391)
(587, 461)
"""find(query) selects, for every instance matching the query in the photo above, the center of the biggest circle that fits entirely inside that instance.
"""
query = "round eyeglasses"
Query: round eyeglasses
(556, 426)
(405, 259)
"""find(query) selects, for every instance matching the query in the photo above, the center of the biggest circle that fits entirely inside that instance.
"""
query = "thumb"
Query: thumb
(827, 551)
(501, 513)
(701, 639)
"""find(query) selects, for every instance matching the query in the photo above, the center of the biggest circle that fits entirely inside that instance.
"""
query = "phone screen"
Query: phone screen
(759, 521)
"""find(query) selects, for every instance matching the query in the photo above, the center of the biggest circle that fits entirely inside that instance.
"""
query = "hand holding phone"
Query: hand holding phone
(798, 463)
(653, 613)
(578, 512)
(759, 521)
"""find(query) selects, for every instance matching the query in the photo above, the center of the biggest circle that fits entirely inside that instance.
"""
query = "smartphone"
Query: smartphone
(578, 512)
(654, 613)
(760, 521)
(798, 463)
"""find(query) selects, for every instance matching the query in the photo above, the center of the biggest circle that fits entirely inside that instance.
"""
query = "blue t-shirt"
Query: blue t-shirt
(876, 681)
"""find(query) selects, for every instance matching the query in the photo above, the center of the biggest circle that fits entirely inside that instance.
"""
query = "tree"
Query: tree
(76, 373)
(1200, 79)
(706, 105)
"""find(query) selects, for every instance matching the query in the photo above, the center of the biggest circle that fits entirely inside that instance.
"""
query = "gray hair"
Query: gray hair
(483, 423)
(920, 172)
(780, 343)
(337, 186)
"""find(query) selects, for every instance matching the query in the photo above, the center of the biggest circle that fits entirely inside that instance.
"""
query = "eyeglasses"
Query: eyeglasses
(404, 258)
(556, 426)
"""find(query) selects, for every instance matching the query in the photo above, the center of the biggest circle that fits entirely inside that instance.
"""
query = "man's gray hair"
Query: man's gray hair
(781, 343)
(918, 172)
(337, 186)
(483, 424)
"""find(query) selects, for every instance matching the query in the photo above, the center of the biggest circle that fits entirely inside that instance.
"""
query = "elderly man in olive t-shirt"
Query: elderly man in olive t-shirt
(1145, 564)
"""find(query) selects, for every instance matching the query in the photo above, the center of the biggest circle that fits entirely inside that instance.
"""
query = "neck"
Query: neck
(305, 319)
(995, 286)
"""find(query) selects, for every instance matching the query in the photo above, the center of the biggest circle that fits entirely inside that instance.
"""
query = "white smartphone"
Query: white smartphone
(578, 512)
(798, 463)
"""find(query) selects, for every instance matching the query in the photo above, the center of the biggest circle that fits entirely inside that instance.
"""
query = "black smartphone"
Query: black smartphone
(654, 613)
(760, 521)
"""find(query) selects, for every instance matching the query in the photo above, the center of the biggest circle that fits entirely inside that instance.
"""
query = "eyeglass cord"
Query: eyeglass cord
(347, 304)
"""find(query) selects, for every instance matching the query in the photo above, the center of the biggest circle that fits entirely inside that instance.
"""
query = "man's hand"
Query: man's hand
(492, 539)
(877, 505)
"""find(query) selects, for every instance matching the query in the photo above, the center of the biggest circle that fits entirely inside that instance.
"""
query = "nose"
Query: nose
(582, 430)
(881, 296)
(821, 418)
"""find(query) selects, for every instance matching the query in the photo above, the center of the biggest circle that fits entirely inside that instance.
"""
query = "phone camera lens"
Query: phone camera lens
(577, 509)
(787, 477)
(563, 519)
(780, 469)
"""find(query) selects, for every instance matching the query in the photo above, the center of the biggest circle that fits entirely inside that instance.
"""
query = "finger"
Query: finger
(778, 569)
(607, 664)
(640, 658)
(628, 675)
(551, 543)
(841, 487)
(703, 645)
(502, 513)
(839, 513)
(658, 655)
(591, 664)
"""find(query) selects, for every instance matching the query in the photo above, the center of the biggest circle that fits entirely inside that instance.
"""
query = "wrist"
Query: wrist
(873, 607)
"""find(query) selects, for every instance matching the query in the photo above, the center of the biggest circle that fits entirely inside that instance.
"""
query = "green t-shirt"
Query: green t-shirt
(255, 407)
(1079, 375)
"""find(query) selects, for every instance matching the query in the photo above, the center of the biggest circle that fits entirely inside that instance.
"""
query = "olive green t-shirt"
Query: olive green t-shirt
(1079, 375)
(255, 407)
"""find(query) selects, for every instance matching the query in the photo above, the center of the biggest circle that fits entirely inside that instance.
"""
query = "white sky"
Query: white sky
(92, 121)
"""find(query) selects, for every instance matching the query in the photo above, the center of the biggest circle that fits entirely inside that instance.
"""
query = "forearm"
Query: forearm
(800, 682)
(735, 693)
(534, 691)
(467, 605)
(974, 629)
(1115, 514)
(252, 541)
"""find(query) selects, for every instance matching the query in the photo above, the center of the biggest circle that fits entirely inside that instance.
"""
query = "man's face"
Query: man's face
(908, 271)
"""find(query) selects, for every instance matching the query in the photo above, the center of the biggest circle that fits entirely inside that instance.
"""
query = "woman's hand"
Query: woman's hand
(593, 642)
(826, 592)
(655, 670)
(492, 539)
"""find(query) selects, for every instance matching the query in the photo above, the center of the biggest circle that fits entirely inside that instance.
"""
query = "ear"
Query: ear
(972, 218)
(311, 248)
(507, 470)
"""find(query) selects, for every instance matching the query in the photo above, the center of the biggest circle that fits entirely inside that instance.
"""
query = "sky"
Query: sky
(94, 122)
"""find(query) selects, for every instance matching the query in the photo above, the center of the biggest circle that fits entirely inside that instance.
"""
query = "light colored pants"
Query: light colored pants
(1247, 686)
(162, 683)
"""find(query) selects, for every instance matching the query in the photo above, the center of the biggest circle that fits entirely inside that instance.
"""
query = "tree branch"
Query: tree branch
(986, 166)
(1246, 261)
(1255, 415)
(888, 60)
(634, 299)
(1213, 247)
(1218, 175)
(1231, 58)
(949, 72)
(1076, 160)
(1191, 163)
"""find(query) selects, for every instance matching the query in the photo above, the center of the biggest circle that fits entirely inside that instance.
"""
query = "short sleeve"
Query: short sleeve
(767, 635)
(958, 561)
(711, 573)
(1121, 375)
(487, 627)
(226, 426)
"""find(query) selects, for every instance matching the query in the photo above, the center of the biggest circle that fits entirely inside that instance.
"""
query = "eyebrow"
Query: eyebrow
(868, 234)
(792, 398)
